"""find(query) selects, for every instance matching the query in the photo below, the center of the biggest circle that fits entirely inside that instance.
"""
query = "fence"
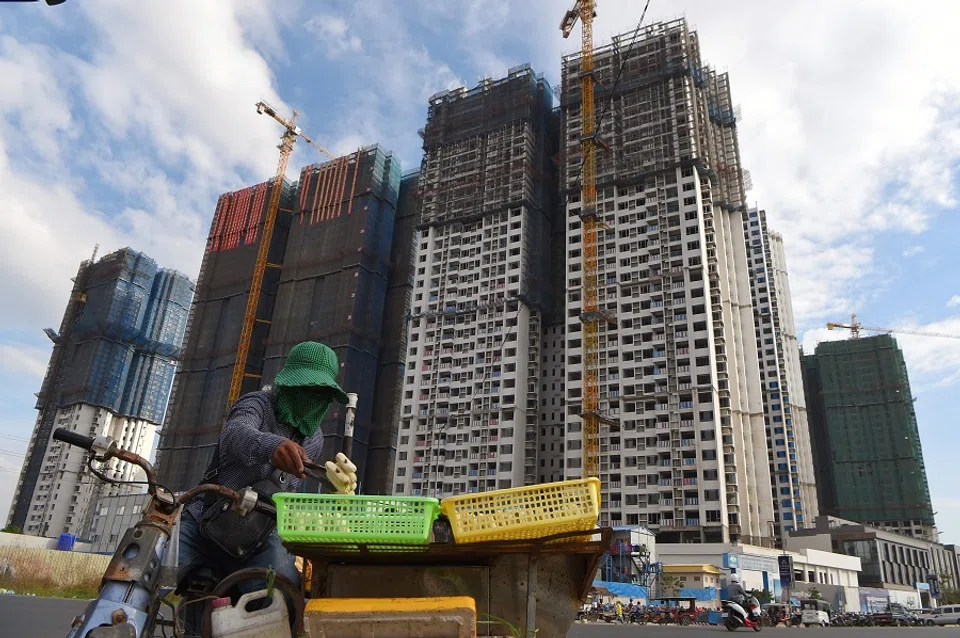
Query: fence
(48, 572)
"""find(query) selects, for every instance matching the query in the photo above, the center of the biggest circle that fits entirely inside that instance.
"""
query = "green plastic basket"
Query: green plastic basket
(344, 518)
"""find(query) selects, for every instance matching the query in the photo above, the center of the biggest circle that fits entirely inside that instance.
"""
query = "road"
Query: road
(634, 631)
(25, 617)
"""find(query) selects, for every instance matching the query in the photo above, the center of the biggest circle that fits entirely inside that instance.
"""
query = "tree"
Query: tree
(12, 529)
(764, 596)
(814, 593)
(949, 597)
(671, 585)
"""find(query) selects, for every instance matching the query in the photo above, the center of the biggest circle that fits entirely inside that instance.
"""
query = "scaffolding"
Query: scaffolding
(202, 381)
(334, 282)
(330, 275)
(646, 119)
(487, 149)
(866, 444)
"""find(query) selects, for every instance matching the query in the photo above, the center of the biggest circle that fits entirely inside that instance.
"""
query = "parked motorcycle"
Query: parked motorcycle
(738, 617)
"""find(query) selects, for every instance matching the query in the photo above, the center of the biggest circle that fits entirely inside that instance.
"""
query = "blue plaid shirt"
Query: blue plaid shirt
(247, 444)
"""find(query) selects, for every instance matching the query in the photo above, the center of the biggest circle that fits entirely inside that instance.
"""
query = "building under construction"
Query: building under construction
(470, 408)
(198, 400)
(683, 451)
(113, 362)
(866, 443)
(329, 270)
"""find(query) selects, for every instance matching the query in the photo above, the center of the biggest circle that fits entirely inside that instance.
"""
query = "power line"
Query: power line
(14, 438)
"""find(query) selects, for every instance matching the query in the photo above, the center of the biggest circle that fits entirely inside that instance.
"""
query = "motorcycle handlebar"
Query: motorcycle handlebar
(73, 438)
(86, 442)
(262, 506)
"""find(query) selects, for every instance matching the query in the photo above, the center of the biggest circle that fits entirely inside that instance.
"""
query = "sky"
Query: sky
(121, 122)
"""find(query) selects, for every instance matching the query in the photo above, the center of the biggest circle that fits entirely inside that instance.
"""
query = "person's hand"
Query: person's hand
(290, 457)
(343, 474)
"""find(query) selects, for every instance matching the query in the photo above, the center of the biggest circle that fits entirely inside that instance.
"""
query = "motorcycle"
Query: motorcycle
(738, 617)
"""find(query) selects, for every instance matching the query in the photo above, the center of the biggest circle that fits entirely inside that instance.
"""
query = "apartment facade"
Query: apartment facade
(110, 375)
(793, 486)
(679, 374)
(472, 394)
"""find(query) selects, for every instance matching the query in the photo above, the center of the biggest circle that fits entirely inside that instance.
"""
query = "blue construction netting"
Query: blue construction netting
(702, 594)
(116, 296)
(166, 315)
(147, 387)
(385, 181)
(97, 373)
(127, 339)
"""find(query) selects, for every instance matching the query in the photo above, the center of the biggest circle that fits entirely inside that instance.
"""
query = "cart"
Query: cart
(520, 587)
(681, 610)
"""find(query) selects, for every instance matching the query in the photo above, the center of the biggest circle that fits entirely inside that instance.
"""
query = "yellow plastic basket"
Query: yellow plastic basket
(524, 512)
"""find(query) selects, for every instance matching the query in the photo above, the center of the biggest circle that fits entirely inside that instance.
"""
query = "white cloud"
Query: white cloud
(24, 360)
(393, 76)
(335, 33)
(932, 356)
(913, 251)
(158, 108)
(954, 302)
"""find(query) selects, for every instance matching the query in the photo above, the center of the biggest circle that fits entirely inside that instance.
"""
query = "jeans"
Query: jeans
(196, 551)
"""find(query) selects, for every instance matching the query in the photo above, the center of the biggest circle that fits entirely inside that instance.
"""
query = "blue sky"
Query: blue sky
(120, 123)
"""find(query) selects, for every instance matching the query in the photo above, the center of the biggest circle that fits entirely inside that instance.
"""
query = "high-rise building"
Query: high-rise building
(685, 452)
(336, 267)
(472, 392)
(110, 374)
(866, 444)
(792, 485)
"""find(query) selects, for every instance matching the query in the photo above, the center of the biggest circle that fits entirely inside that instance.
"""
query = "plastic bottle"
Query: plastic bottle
(234, 621)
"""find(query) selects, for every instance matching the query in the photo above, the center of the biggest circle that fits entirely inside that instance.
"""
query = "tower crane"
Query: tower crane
(591, 315)
(855, 327)
(287, 140)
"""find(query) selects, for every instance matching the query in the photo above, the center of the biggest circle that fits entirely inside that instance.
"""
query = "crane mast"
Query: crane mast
(591, 316)
(287, 141)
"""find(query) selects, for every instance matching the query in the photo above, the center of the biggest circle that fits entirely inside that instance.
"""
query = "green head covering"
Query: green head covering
(307, 386)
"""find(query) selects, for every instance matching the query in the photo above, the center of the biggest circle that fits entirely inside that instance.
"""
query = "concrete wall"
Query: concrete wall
(820, 542)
